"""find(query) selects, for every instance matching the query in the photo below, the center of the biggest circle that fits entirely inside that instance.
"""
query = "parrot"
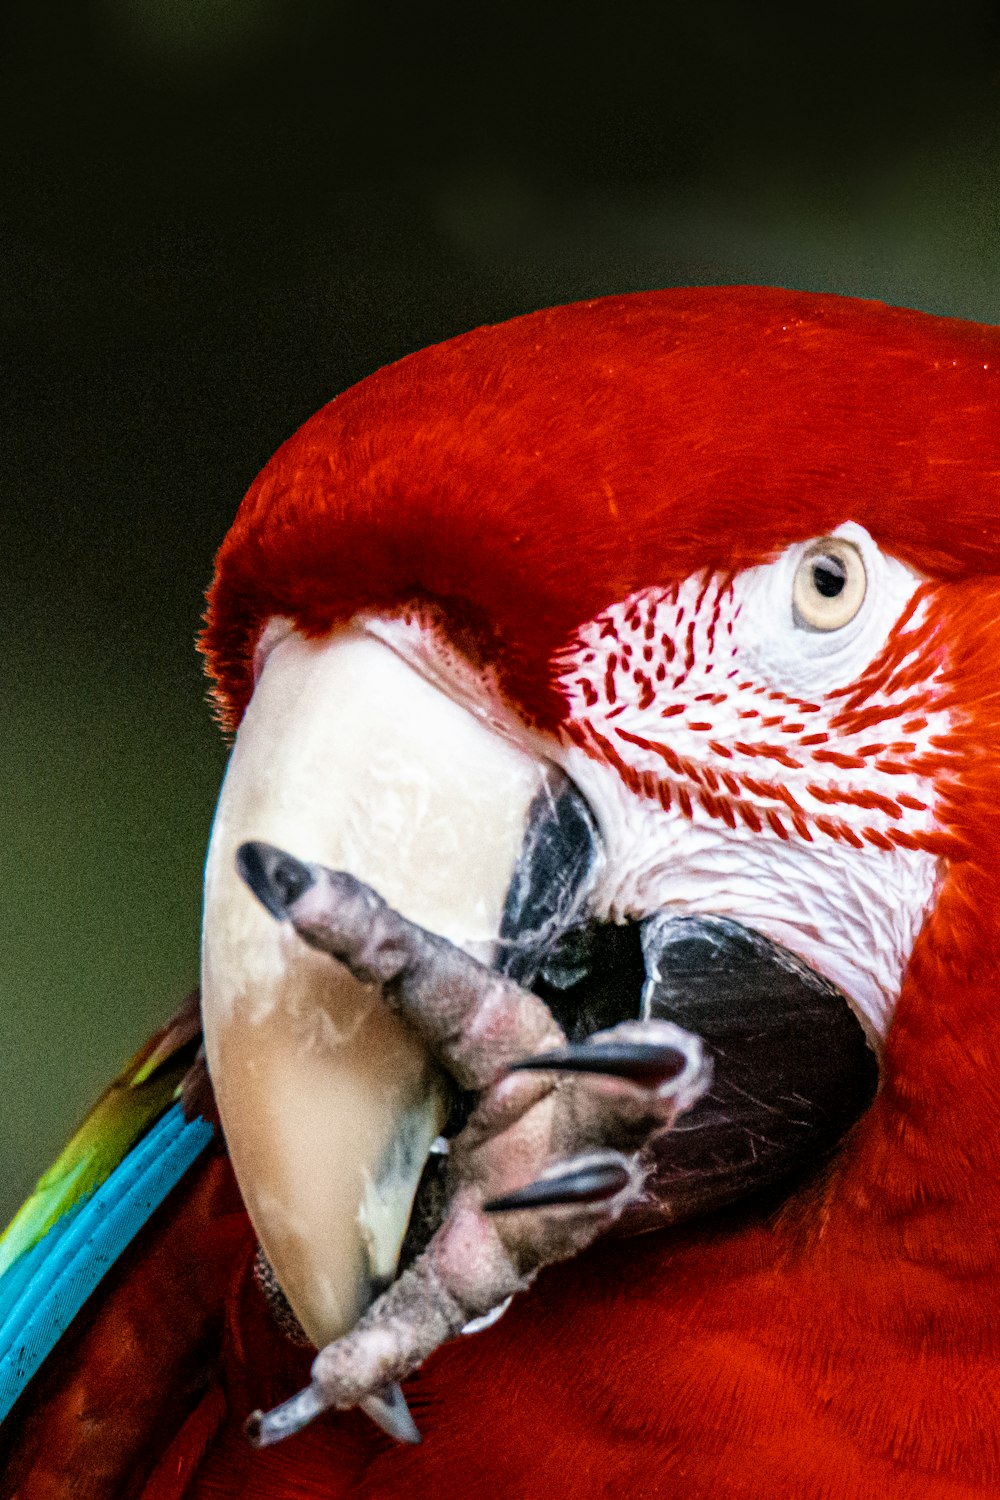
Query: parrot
(593, 1084)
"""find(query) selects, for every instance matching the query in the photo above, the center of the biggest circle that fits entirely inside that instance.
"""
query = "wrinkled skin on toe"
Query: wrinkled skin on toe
(548, 1160)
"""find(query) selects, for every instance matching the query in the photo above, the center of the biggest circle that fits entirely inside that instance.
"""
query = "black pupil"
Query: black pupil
(829, 576)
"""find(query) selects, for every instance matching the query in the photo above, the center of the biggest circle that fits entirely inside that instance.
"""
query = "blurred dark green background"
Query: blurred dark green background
(216, 214)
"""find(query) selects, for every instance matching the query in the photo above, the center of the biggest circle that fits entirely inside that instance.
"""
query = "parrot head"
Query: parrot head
(644, 649)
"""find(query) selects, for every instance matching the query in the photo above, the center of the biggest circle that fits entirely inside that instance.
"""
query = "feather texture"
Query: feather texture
(837, 1346)
(145, 1087)
(71, 1260)
(131, 1150)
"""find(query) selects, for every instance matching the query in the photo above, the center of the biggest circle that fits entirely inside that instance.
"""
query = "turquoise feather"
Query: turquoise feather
(44, 1289)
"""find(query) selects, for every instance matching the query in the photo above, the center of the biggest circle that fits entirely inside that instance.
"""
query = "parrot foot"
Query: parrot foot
(549, 1159)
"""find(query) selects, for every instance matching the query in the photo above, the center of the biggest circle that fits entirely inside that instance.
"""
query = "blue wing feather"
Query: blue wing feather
(45, 1288)
(14, 1281)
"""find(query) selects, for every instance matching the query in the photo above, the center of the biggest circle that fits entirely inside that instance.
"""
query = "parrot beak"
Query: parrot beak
(329, 1102)
(350, 763)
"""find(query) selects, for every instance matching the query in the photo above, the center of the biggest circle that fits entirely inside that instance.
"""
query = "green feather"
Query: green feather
(139, 1095)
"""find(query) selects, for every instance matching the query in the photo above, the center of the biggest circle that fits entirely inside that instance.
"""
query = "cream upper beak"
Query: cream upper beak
(348, 757)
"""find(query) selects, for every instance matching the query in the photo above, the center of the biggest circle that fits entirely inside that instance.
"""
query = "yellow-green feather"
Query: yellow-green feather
(139, 1095)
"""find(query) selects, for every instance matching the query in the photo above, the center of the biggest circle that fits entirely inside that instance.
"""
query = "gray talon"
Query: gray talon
(277, 879)
(643, 1063)
(388, 1410)
(266, 1427)
(594, 1179)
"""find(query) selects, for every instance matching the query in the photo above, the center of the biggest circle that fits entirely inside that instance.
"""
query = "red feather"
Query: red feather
(528, 475)
(135, 1362)
(847, 1345)
(523, 478)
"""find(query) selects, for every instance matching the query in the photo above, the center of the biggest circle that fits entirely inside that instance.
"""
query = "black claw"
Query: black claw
(648, 1063)
(594, 1182)
(277, 879)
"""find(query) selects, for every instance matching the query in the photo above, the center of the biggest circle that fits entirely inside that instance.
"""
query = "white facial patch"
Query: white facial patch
(741, 763)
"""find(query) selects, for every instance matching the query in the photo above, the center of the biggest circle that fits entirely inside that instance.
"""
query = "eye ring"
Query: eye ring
(830, 585)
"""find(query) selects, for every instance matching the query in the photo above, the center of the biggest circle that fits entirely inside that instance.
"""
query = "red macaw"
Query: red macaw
(608, 844)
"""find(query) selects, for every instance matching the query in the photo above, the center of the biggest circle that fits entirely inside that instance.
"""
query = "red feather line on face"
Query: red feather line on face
(594, 672)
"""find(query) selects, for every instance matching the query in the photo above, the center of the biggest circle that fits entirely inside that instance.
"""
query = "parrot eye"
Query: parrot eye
(830, 585)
